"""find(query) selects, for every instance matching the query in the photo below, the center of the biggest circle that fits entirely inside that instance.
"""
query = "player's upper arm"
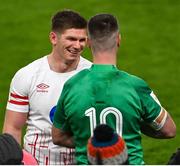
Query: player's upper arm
(162, 127)
(14, 120)
(19, 91)
(153, 113)
(13, 123)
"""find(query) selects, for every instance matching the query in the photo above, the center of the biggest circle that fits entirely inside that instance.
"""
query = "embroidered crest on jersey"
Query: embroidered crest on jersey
(42, 87)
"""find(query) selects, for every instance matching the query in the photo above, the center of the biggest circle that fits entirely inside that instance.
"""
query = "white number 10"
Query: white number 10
(91, 112)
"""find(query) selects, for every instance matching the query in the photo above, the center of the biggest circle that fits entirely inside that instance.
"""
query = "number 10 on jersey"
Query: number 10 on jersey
(91, 113)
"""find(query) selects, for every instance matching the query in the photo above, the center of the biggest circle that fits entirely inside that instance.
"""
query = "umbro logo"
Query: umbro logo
(42, 87)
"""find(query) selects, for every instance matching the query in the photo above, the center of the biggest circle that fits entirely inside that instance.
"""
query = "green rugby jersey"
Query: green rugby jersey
(104, 94)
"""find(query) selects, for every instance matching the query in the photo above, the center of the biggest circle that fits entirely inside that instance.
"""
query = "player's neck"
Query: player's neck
(104, 58)
(61, 66)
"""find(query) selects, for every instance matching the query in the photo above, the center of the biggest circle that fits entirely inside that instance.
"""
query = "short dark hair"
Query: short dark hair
(102, 31)
(67, 19)
(102, 25)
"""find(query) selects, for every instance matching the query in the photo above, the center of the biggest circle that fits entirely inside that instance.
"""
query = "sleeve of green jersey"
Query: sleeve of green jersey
(150, 107)
(60, 116)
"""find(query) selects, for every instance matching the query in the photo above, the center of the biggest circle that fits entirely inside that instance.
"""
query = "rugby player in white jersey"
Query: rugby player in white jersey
(35, 89)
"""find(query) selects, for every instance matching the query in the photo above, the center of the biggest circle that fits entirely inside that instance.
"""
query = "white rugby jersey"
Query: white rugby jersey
(35, 89)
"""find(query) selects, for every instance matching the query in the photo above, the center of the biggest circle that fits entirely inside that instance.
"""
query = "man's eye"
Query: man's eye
(72, 39)
(82, 40)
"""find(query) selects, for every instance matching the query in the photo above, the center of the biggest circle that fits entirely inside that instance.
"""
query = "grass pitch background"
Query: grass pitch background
(150, 48)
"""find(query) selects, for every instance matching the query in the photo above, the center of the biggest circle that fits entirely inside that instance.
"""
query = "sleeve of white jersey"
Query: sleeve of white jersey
(19, 92)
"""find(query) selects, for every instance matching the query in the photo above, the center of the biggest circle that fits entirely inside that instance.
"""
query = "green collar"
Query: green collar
(103, 67)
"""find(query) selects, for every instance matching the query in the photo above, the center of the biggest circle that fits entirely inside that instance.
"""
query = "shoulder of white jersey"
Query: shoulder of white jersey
(32, 68)
(84, 63)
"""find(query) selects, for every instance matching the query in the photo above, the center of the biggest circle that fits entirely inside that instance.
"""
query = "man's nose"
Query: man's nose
(77, 45)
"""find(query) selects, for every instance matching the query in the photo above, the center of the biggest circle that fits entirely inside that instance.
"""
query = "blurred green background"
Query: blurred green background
(150, 47)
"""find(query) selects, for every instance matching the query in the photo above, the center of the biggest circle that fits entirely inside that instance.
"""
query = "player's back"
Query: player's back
(103, 94)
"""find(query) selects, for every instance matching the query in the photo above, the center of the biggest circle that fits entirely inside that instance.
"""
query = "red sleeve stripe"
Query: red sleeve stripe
(19, 97)
(19, 102)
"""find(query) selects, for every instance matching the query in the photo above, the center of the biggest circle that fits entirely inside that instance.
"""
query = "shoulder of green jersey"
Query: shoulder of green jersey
(76, 77)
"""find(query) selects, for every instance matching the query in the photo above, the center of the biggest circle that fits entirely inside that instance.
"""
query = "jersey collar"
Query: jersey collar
(103, 67)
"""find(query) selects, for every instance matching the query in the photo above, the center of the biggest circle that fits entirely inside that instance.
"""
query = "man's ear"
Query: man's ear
(118, 40)
(53, 38)
(88, 43)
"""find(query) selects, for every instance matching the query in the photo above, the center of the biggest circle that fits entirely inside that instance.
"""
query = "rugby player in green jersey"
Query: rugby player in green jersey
(105, 94)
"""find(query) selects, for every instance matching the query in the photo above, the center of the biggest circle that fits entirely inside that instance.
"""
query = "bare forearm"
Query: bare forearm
(148, 131)
(62, 138)
(13, 124)
(168, 130)
(66, 141)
